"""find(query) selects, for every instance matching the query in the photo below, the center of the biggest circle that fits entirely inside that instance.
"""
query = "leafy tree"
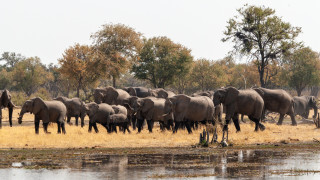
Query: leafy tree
(258, 33)
(161, 61)
(118, 45)
(81, 66)
(29, 75)
(11, 58)
(302, 69)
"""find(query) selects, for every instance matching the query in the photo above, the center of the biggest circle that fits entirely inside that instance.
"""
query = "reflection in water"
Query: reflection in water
(241, 164)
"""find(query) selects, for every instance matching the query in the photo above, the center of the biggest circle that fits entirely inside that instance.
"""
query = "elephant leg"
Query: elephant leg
(95, 127)
(134, 122)
(293, 119)
(45, 127)
(77, 117)
(187, 123)
(236, 123)
(90, 127)
(82, 120)
(140, 123)
(114, 127)
(10, 116)
(59, 127)
(176, 126)
(280, 119)
(63, 128)
(214, 136)
(225, 131)
(36, 126)
(68, 120)
(149, 122)
(127, 127)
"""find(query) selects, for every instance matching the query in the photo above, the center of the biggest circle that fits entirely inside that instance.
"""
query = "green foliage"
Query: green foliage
(11, 58)
(161, 61)
(29, 75)
(43, 93)
(18, 97)
(302, 69)
(262, 36)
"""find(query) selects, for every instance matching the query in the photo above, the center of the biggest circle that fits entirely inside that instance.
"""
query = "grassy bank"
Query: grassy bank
(23, 136)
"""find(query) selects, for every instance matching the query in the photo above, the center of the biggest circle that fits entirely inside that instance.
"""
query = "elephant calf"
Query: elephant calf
(120, 120)
(47, 111)
(98, 113)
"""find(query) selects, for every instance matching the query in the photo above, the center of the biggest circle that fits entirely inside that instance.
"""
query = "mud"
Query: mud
(139, 163)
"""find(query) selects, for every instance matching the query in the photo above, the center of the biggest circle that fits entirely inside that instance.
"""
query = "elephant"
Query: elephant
(161, 93)
(47, 111)
(120, 120)
(189, 109)
(110, 95)
(278, 100)
(75, 108)
(5, 101)
(204, 93)
(218, 109)
(247, 102)
(138, 91)
(99, 113)
(303, 104)
(151, 109)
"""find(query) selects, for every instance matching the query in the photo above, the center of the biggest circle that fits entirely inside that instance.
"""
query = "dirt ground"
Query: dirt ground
(23, 136)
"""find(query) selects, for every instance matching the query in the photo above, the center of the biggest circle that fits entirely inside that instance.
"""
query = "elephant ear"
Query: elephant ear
(231, 95)
(312, 100)
(147, 104)
(112, 95)
(163, 94)
(259, 91)
(39, 106)
(132, 91)
(180, 104)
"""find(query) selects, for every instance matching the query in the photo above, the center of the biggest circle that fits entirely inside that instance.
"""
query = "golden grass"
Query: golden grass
(23, 136)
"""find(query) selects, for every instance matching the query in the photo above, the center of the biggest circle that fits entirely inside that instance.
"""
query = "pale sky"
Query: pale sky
(46, 28)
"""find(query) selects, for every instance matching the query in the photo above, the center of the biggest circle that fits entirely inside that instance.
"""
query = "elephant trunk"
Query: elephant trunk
(21, 115)
(315, 108)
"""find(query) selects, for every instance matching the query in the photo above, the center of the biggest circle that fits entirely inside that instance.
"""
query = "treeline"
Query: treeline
(120, 56)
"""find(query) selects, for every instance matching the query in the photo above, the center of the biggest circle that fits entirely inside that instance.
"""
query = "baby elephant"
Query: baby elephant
(120, 120)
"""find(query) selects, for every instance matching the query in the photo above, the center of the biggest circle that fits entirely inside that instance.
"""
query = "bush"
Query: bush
(18, 97)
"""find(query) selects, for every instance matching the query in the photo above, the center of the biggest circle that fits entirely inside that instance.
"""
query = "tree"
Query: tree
(11, 58)
(161, 61)
(258, 33)
(29, 75)
(119, 44)
(302, 69)
(81, 66)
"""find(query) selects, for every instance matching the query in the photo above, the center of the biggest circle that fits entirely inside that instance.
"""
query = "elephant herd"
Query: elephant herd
(134, 106)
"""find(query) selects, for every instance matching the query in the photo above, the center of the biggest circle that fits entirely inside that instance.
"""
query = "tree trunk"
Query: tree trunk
(299, 91)
(314, 91)
(114, 81)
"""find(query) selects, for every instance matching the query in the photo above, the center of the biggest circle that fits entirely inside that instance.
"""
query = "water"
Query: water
(244, 164)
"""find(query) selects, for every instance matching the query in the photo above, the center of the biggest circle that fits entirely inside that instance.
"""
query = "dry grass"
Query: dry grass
(23, 136)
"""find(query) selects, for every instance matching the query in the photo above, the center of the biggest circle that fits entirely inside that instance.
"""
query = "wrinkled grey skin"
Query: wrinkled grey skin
(151, 109)
(186, 109)
(98, 113)
(5, 102)
(161, 93)
(247, 102)
(303, 104)
(278, 100)
(204, 93)
(218, 110)
(120, 120)
(75, 108)
(110, 95)
(138, 91)
(47, 111)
